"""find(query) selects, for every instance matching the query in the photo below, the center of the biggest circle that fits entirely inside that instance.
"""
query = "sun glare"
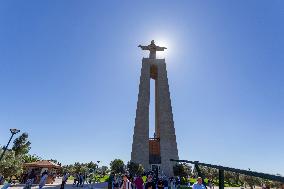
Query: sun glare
(163, 39)
(163, 43)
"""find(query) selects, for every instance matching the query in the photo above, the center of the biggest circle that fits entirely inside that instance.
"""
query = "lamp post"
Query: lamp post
(99, 172)
(13, 132)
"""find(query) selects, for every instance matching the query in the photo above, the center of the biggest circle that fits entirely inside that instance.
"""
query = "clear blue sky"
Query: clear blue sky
(69, 75)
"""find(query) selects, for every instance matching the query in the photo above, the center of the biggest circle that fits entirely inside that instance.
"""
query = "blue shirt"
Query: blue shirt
(198, 186)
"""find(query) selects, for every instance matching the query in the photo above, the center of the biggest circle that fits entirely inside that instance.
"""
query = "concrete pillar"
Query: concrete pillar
(155, 69)
(140, 145)
(168, 143)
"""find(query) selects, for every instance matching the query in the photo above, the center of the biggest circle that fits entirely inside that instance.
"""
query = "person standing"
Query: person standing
(131, 179)
(210, 183)
(83, 179)
(64, 180)
(111, 180)
(30, 180)
(80, 179)
(43, 179)
(139, 182)
(198, 184)
(178, 182)
(126, 184)
(172, 183)
(75, 179)
(160, 184)
(1, 179)
(8, 184)
(78, 176)
(115, 183)
(150, 183)
(166, 183)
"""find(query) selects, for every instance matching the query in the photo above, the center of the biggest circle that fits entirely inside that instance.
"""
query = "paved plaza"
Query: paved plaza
(69, 185)
(57, 184)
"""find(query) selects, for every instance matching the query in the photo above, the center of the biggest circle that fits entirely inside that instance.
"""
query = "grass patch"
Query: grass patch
(95, 179)
(185, 187)
(99, 179)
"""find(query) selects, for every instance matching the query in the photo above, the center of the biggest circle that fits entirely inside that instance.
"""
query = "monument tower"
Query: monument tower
(155, 152)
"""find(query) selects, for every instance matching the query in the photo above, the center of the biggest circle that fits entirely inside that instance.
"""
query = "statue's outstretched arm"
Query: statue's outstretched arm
(160, 48)
(144, 47)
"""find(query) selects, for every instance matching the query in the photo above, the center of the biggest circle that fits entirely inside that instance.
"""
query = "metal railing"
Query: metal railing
(222, 169)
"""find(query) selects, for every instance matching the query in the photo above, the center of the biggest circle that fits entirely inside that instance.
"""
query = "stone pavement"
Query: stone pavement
(57, 183)
(69, 185)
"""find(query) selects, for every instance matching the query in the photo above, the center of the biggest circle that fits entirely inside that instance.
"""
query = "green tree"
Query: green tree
(250, 180)
(68, 169)
(209, 172)
(11, 165)
(104, 170)
(21, 145)
(91, 165)
(80, 167)
(229, 177)
(117, 166)
(135, 168)
(182, 170)
(54, 161)
(28, 158)
(232, 178)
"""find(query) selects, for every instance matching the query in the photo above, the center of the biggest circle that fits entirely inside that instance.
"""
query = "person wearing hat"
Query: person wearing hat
(198, 184)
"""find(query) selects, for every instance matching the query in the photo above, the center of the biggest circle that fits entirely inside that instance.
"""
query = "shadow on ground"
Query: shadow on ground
(102, 185)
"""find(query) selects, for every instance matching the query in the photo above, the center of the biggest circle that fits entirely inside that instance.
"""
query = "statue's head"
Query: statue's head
(152, 42)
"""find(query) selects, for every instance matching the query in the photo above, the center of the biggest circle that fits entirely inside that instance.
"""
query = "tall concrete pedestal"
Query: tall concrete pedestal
(159, 150)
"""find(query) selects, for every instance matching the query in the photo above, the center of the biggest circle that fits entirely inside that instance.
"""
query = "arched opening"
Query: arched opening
(154, 140)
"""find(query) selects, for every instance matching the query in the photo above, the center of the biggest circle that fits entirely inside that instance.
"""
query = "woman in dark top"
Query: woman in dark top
(160, 184)
(150, 184)
(115, 183)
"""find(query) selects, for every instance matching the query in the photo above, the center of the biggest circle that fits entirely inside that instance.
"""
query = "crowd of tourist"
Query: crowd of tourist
(152, 182)
(28, 179)
(117, 182)
(80, 179)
